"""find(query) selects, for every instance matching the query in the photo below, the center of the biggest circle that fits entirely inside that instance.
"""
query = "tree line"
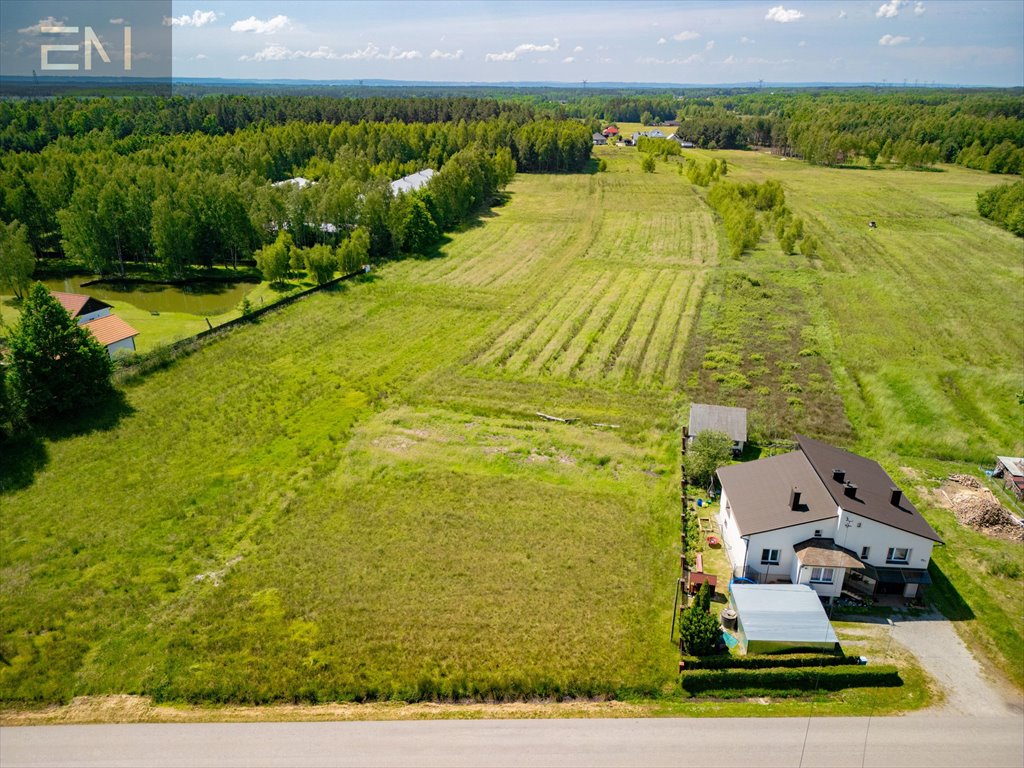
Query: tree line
(745, 210)
(171, 202)
(30, 125)
(1005, 206)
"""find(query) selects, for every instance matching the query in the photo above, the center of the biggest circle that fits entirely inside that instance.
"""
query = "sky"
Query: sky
(972, 42)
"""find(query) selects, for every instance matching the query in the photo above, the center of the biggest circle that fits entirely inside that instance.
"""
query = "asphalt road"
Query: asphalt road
(891, 742)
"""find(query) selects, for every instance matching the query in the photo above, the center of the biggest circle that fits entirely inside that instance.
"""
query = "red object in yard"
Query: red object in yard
(695, 579)
(713, 541)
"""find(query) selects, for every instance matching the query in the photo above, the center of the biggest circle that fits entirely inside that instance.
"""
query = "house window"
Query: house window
(865, 552)
(817, 533)
(822, 575)
(897, 555)
(769, 557)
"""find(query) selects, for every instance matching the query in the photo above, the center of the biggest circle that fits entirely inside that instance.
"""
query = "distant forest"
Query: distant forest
(170, 183)
(982, 129)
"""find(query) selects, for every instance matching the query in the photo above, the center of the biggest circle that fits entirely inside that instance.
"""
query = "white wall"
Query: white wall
(880, 538)
(92, 315)
(802, 575)
(784, 540)
(117, 346)
(735, 547)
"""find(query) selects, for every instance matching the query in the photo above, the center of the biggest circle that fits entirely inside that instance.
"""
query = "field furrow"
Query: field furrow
(627, 363)
(672, 371)
(601, 355)
(568, 305)
(663, 333)
(598, 318)
(570, 327)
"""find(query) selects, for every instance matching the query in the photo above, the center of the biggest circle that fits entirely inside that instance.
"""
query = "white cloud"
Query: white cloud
(746, 40)
(802, 44)
(568, 59)
(842, 14)
(686, 35)
(578, 49)
(117, 21)
(730, 59)
(662, 41)
(695, 58)
(260, 27)
(890, 9)
(197, 19)
(783, 15)
(919, 9)
(447, 56)
(892, 39)
(201, 56)
(520, 49)
(370, 52)
(36, 28)
(710, 45)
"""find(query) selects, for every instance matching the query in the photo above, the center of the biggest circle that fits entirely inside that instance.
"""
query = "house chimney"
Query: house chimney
(850, 490)
(838, 475)
(794, 499)
(897, 496)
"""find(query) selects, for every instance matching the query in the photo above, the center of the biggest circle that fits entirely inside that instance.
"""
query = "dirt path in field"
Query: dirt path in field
(969, 689)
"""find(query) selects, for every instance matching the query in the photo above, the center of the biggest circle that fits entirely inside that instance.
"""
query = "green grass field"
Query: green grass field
(353, 498)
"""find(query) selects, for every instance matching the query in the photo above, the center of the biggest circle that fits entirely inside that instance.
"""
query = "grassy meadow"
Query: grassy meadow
(353, 498)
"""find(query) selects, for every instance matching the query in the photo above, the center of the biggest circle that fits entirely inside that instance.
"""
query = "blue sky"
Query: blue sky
(977, 42)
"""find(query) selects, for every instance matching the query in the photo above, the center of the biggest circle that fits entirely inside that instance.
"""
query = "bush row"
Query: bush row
(766, 662)
(807, 679)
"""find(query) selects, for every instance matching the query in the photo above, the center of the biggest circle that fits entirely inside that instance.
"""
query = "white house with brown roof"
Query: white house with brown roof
(824, 517)
(109, 330)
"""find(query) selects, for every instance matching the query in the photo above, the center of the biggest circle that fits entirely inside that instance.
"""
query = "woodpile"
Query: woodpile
(978, 508)
(966, 480)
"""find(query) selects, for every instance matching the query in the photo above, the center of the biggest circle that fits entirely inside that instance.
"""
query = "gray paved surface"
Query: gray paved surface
(921, 741)
(939, 649)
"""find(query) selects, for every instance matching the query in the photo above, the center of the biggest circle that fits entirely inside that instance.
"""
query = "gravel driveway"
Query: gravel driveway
(939, 649)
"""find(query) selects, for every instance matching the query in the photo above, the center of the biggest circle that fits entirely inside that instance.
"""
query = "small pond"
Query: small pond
(199, 298)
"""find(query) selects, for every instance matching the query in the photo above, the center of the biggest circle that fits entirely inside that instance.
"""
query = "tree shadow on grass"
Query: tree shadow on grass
(944, 595)
(24, 454)
(21, 456)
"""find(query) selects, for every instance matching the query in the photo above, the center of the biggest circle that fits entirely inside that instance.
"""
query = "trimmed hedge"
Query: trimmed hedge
(767, 662)
(806, 679)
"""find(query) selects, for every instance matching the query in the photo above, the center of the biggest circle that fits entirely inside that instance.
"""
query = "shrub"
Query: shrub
(769, 662)
(699, 628)
(806, 679)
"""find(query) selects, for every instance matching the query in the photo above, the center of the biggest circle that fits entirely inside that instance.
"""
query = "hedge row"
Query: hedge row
(806, 679)
(767, 662)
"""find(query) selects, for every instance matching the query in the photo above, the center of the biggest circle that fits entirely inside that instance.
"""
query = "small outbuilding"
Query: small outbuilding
(599, 140)
(719, 418)
(1011, 470)
(781, 618)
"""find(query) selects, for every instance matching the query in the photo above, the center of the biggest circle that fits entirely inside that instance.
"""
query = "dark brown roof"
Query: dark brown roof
(825, 553)
(759, 493)
(78, 303)
(110, 329)
(874, 488)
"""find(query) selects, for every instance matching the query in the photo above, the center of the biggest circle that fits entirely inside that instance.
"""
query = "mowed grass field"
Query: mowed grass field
(918, 319)
(354, 497)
